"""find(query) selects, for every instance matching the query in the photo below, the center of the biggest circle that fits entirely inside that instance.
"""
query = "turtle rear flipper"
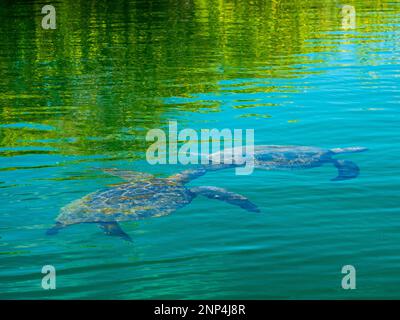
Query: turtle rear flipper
(112, 228)
(227, 196)
(346, 170)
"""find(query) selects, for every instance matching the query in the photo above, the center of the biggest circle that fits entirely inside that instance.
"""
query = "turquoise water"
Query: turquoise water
(84, 95)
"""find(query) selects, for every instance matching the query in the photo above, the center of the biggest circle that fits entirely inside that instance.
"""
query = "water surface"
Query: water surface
(84, 96)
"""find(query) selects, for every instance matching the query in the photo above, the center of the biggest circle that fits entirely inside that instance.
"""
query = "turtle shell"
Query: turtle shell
(128, 201)
(275, 157)
(289, 156)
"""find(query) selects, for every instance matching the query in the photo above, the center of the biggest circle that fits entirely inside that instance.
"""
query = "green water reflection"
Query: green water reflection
(98, 82)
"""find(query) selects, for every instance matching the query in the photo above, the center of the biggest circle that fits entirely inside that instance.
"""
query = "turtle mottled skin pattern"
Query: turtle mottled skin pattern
(128, 201)
(273, 157)
(290, 157)
(142, 196)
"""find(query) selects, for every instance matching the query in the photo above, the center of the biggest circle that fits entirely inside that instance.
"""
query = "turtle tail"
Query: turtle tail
(349, 149)
(54, 230)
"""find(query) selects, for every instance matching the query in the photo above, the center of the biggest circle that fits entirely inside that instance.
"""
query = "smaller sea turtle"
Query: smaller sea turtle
(271, 157)
(141, 197)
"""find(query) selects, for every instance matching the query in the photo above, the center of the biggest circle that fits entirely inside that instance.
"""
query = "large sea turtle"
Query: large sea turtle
(142, 196)
(273, 157)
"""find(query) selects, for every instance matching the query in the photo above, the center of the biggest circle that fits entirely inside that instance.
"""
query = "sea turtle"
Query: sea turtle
(273, 157)
(142, 196)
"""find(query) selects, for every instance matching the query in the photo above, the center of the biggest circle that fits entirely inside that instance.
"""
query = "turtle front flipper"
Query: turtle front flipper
(227, 196)
(112, 228)
(346, 170)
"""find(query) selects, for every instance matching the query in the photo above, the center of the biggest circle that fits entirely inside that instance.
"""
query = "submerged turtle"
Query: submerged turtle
(142, 196)
(270, 157)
